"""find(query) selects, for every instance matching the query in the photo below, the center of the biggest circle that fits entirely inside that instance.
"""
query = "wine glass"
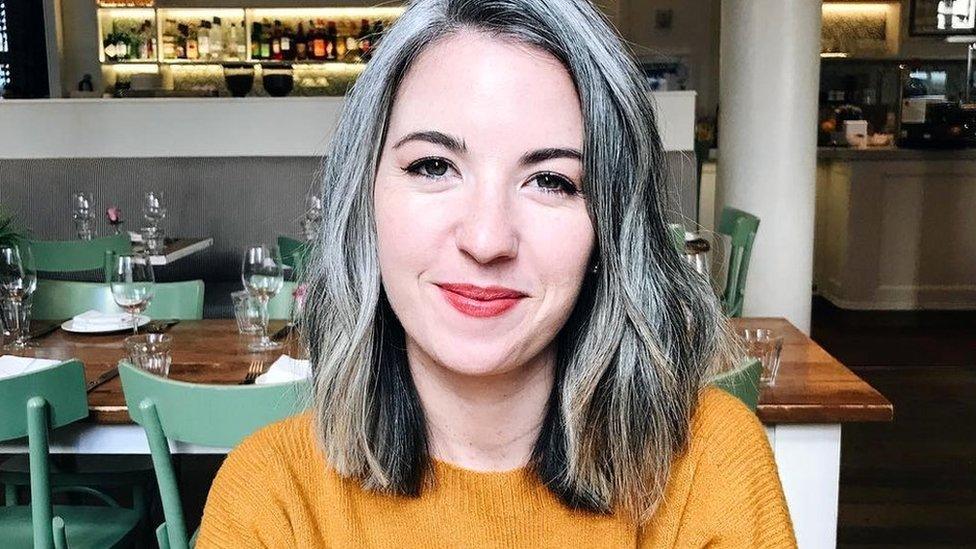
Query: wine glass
(153, 209)
(263, 276)
(81, 212)
(13, 289)
(132, 284)
(313, 217)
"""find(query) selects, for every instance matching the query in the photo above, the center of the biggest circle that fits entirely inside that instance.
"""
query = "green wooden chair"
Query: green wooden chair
(32, 405)
(68, 256)
(60, 299)
(741, 227)
(742, 382)
(174, 410)
(294, 253)
(677, 231)
(279, 306)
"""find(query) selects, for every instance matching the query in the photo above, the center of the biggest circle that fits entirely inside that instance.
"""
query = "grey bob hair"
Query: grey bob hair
(646, 330)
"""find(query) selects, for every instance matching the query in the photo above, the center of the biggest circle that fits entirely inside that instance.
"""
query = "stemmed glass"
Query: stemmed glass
(263, 276)
(18, 279)
(81, 212)
(153, 209)
(313, 217)
(132, 284)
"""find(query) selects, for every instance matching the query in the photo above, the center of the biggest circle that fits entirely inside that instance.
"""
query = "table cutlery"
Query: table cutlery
(92, 385)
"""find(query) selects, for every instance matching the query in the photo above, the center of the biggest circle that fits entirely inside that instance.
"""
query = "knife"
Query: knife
(283, 332)
(43, 331)
(102, 379)
(160, 326)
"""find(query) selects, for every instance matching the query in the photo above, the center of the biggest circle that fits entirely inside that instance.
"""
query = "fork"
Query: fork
(253, 371)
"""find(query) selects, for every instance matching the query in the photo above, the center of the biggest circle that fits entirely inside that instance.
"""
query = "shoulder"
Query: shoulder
(250, 495)
(722, 419)
(731, 466)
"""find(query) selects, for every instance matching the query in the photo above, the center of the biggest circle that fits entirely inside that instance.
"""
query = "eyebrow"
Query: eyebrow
(458, 146)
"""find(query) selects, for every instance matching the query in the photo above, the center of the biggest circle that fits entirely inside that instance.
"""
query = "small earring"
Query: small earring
(595, 268)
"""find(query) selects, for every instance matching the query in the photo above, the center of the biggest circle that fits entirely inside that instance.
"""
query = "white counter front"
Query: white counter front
(215, 127)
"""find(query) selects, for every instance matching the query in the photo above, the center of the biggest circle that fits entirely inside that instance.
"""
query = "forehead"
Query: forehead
(486, 89)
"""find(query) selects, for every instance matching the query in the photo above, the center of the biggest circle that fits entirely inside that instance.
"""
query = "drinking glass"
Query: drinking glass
(247, 312)
(151, 352)
(81, 212)
(263, 277)
(152, 240)
(16, 286)
(153, 209)
(765, 345)
(132, 284)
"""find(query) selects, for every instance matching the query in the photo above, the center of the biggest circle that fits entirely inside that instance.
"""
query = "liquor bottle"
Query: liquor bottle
(230, 45)
(301, 46)
(363, 36)
(153, 46)
(256, 40)
(276, 41)
(203, 40)
(352, 45)
(266, 40)
(287, 44)
(192, 50)
(319, 48)
(143, 49)
(310, 41)
(340, 42)
(183, 33)
(216, 39)
(333, 40)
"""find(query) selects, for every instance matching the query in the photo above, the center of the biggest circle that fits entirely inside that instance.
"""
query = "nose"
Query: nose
(486, 231)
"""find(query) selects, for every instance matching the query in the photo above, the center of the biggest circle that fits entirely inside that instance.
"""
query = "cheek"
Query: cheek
(560, 247)
(407, 230)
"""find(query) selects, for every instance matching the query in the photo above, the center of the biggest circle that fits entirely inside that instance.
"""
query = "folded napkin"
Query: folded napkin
(95, 320)
(11, 366)
(284, 370)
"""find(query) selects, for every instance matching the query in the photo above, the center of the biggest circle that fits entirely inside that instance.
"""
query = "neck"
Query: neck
(483, 423)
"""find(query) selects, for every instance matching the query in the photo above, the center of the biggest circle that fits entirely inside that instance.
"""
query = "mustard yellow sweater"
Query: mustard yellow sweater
(276, 490)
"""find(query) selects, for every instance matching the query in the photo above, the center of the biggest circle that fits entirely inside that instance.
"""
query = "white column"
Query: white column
(769, 81)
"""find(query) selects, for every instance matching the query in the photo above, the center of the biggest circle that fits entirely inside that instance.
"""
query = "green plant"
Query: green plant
(10, 233)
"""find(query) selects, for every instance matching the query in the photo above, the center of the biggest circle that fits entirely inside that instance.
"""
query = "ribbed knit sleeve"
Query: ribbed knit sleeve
(735, 498)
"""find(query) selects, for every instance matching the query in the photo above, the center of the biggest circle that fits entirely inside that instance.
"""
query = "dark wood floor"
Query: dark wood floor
(912, 482)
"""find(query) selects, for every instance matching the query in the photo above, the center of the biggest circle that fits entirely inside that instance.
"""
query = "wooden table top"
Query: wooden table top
(811, 387)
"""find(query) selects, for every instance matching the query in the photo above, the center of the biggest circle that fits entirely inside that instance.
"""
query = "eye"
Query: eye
(553, 183)
(432, 167)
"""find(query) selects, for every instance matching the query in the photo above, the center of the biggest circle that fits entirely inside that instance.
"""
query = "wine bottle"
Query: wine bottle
(301, 47)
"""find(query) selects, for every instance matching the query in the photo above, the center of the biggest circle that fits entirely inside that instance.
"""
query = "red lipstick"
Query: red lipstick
(480, 301)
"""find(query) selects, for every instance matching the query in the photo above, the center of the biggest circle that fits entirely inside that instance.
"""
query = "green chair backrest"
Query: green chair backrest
(742, 382)
(208, 415)
(59, 299)
(31, 405)
(741, 227)
(677, 236)
(279, 306)
(294, 253)
(64, 256)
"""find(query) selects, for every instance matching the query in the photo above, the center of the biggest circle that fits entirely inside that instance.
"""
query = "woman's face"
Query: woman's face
(484, 237)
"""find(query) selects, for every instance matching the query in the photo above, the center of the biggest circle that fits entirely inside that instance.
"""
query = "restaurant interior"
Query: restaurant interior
(159, 195)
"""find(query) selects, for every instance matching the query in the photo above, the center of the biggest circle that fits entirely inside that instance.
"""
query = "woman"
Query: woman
(507, 350)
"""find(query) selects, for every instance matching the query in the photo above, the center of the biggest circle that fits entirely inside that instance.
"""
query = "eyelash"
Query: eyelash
(566, 186)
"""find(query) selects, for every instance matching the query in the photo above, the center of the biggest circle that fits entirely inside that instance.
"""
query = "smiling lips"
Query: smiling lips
(478, 301)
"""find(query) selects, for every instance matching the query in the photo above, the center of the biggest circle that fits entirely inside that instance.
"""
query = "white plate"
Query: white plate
(69, 326)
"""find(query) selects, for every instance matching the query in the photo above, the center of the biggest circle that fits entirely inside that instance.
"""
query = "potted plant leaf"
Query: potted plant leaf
(10, 233)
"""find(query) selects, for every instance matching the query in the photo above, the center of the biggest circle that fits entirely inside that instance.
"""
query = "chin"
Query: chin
(476, 358)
